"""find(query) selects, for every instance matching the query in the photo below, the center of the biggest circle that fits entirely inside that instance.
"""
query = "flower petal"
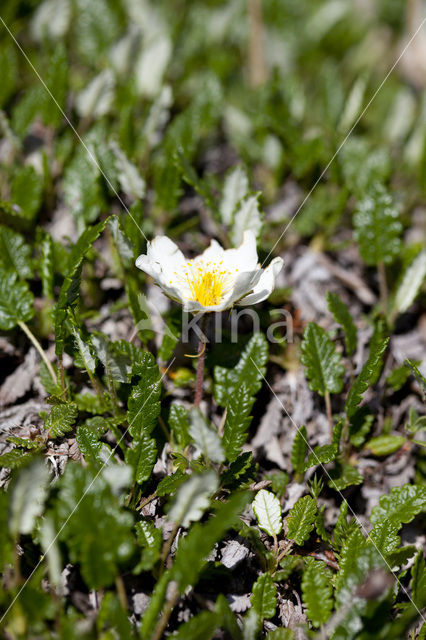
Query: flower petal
(265, 284)
(244, 258)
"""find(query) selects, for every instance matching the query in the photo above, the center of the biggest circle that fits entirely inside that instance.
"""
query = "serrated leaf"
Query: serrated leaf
(385, 445)
(418, 580)
(15, 253)
(264, 597)
(179, 424)
(15, 458)
(16, 301)
(194, 548)
(205, 439)
(234, 189)
(385, 536)
(343, 476)
(150, 539)
(301, 519)
(248, 217)
(249, 371)
(123, 244)
(27, 496)
(363, 380)
(317, 591)
(343, 317)
(267, 510)
(237, 422)
(94, 451)
(70, 288)
(128, 175)
(117, 366)
(401, 505)
(321, 455)
(61, 419)
(193, 498)
(324, 369)
(142, 456)
(410, 284)
(299, 449)
(377, 228)
(83, 348)
(143, 404)
(26, 193)
(169, 484)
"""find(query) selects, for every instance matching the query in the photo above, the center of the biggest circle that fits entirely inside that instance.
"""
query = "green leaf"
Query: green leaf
(401, 505)
(237, 422)
(363, 380)
(100, 538)
(421, 380)
(385, 445)
(323, 364)
(142, 456)
(144, 402)
(343, 317)
(117, 365)
(151, 540)
(344, 476)
(96, 452)
(194, 548)
(249, 371)
(301, 519)
(384, 535)
(193, 498)
(264, 597)
(61, 419)
(228, 620)
(377, 228)
(82, 189)
(317, 591)
(16, 301)
(28, 493)
(112, 618)
(15, 458)
(26, 192)
(179, 424)
(280, 634)
(155, 606)
(46, 264)
(267, 509)
(70, 288)
(200, 627)
(169, 484)
(84, 347)
(299, 449)
(205, 439)
(321, 455)
(15, 253)
(418, 580)
(410, 284)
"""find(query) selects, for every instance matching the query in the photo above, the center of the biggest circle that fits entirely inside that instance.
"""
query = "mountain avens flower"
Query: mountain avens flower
(213, 281)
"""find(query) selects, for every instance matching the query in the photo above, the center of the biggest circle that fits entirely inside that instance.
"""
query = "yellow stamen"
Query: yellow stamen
(207, 283)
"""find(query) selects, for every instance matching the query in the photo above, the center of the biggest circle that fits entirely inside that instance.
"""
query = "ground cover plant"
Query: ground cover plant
(260, 474)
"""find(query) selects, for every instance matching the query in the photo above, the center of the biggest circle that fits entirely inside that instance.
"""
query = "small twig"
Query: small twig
(168, 544)
(40, 349)
(121, 592)
(146, 501)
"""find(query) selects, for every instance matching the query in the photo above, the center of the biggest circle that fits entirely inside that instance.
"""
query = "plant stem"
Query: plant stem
(39, 348)
(257, 63)
(200, 366)
(163, 621)
(62, 375)
(121, 591)
(383, 287)
(169, 542)
(329, 412)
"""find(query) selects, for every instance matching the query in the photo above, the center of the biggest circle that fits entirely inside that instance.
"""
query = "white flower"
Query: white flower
(213, 281)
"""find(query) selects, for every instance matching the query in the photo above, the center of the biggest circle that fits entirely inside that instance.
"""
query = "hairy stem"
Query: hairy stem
(200, 365)
(329, 412)
(39, 348)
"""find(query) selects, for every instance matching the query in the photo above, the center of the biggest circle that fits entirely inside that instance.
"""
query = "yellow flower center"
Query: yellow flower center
(208, 283)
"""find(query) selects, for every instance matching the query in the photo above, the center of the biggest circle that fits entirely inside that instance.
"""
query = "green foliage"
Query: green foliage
(179, 424)
(61, 419)
(204, 437)
(193, 498)
(144, 405)
(324, 369)
(401, 505)
(15, 253)
(377, 228)
(301, 519)
(16, 301)
(317, 591)
(385, 445)
(195, 547)
(267, 510)
(249, 371)
(237, 422)
(299, 449)
(343, 317)
(264, 598)
(142, 456)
